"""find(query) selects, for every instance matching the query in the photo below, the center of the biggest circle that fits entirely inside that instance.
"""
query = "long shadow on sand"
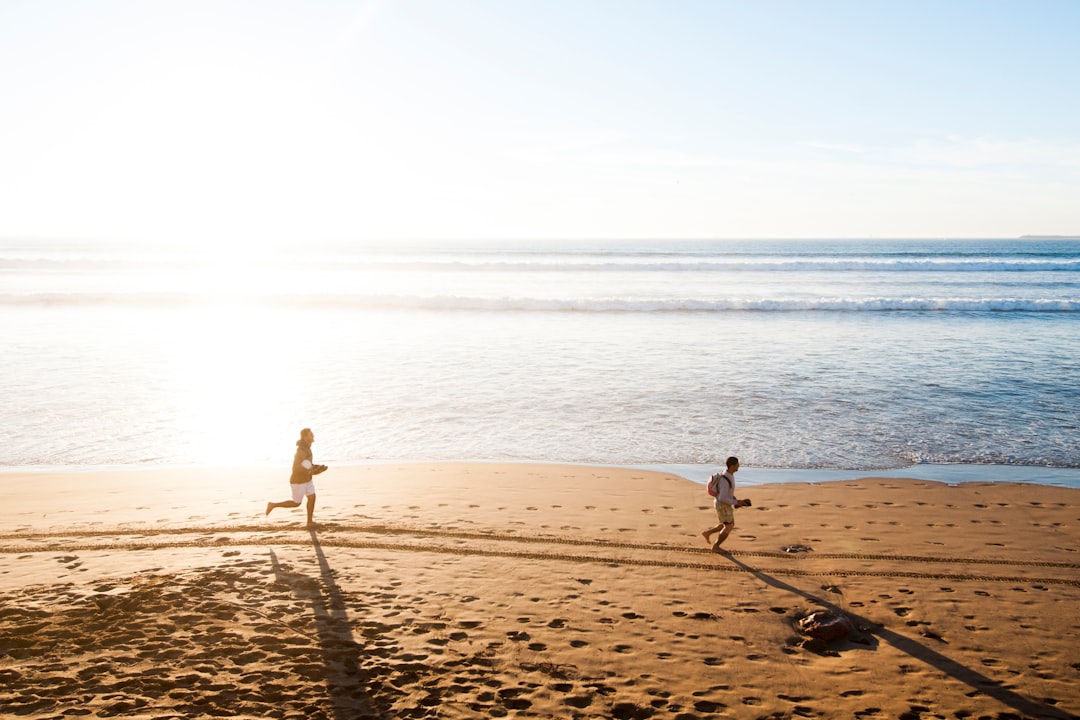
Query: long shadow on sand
(917, 650)
(347, 684)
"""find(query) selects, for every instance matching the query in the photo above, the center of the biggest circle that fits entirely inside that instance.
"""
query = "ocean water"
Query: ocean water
(797, 356)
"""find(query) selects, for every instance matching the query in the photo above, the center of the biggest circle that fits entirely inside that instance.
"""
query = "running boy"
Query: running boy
(725, 504)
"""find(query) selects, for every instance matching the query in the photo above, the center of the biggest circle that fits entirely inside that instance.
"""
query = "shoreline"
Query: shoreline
(552, 591)
(1067, 477)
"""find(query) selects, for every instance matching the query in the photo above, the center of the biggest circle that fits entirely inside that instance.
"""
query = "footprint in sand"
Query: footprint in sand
(510, 699)
(578, 701)
(708, 706)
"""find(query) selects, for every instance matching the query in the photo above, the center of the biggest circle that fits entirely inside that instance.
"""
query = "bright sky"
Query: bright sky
(248, 120)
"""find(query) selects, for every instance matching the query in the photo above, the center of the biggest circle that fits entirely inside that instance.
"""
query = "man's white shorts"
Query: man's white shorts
(299, 492)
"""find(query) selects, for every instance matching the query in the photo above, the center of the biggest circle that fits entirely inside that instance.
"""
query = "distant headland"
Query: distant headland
(1050, 237)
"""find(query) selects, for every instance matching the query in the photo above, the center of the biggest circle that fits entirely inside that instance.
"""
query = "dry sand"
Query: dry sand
(483, 590)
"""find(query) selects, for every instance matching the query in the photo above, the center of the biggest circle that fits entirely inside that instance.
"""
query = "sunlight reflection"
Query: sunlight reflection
(236, 383)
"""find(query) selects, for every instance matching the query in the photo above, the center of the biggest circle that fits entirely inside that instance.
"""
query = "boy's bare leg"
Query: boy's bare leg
(724, 532)
(310, 509)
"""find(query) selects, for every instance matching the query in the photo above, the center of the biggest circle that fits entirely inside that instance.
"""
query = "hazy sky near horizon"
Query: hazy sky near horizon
(250, 120)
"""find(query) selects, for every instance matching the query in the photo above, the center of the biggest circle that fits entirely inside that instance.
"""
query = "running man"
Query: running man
(301, 483)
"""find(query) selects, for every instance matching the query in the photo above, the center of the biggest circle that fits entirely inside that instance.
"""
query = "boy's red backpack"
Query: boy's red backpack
(714, 484)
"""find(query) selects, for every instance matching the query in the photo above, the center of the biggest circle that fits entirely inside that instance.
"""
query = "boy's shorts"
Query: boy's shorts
(299, 492)
(725, 512)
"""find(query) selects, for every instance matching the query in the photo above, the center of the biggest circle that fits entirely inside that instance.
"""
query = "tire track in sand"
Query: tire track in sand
(255, 535)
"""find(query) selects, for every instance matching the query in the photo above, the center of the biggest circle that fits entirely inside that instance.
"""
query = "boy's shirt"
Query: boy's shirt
(726, 488)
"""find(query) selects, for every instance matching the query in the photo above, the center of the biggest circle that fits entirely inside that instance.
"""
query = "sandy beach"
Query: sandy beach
(550, 591)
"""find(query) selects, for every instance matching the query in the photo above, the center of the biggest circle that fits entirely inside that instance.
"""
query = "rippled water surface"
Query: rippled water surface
(799, 354)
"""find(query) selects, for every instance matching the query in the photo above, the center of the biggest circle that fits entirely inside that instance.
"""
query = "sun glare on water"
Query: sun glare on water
(240, 340)
(235, 379)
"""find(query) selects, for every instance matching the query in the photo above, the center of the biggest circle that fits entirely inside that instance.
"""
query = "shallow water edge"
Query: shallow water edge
(748, 476)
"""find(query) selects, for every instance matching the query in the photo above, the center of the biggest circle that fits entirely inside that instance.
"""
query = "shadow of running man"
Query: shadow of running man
(348, 685)
(917, 650)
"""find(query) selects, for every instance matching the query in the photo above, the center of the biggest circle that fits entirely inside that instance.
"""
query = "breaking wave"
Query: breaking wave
(591, 264)
(583, 305)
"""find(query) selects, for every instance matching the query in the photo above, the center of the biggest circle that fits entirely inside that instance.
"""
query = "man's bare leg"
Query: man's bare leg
(287, 503)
